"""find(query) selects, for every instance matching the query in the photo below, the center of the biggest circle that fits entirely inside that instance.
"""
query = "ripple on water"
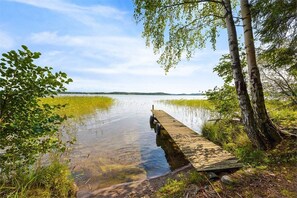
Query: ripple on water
(118, 145)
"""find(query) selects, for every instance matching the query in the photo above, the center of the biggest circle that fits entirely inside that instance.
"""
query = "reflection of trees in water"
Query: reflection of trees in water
(174, 156)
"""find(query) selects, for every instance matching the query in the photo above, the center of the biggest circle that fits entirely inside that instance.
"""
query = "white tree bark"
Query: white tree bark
(241, 88)
(268, 129)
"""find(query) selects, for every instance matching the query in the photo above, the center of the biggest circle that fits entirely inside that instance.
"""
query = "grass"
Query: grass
(273, 171)
(283, 113)
(77, 106)
(231, 136)
(175, 188)
(191, 103)
(54, 180)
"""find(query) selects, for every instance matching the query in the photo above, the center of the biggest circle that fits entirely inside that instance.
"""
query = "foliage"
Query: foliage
(224, 98)
(180, 27)
(230, 135)
(54, 180)
(224, 67)
(225, 101)
(176, 187)
(283, 113)
(173, 188)
(27, 129)
(224, 132)
(77, 106)
(279, 69)
(176, 27)
(275, 24)
(274, 21)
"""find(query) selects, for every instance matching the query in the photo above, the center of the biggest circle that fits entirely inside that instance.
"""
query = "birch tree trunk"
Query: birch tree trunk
(267, 128)
(247, 112)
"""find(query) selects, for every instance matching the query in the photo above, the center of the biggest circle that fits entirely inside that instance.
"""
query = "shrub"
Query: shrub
(27, 129)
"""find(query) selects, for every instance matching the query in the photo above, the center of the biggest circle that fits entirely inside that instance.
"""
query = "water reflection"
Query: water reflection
(119, 145)
(174, 156)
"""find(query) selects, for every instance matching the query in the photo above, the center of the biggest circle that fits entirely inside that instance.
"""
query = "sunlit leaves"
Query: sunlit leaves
(26, 128)
(177, 27)
(275, 21)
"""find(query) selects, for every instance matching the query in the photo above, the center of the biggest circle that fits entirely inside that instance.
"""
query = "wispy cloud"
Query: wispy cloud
(100, 47)
(118, 54)
(87, 15)
(6, 41)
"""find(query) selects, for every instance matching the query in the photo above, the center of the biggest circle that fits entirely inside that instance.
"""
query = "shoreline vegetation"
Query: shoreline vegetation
(274, 172)
(132, 93)
(265, 173)
(77, 106)
(55, 179)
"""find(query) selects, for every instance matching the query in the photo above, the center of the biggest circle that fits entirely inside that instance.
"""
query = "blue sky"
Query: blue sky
(98, 44)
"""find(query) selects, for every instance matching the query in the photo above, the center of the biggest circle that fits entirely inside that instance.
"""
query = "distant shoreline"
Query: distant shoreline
(133, 93)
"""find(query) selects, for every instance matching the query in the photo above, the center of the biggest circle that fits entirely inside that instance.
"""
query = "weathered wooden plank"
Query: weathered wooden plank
(203, 154)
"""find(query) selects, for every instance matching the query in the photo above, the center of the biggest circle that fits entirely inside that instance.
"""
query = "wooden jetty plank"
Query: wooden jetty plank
(203, 154)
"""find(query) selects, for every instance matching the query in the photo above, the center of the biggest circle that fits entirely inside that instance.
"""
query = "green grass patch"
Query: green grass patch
(282, 113)
(54, 180)
(289, 194)
(175, 188)
(230, 133)
(190, 103)
(231, 136)
(77, 106)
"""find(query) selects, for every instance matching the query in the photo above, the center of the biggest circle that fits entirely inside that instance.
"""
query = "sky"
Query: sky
(99, 45)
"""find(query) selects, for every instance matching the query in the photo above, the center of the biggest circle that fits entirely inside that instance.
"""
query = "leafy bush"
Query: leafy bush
(225, 101)
(27, 129)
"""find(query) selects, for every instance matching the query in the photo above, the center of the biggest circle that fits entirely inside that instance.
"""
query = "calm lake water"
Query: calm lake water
(118, 145)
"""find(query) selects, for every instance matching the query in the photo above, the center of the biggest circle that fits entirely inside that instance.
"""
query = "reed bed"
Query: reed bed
(195, 103)
(77, 106)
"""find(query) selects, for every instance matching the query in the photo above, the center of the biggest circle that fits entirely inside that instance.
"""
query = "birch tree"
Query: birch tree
(175, 27)
(270, 132)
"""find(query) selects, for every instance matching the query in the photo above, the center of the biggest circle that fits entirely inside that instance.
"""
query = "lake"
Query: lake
(119, 145)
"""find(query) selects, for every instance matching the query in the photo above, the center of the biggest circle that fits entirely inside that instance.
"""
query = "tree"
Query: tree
(183, 26)
(279, 69)
(275, 23)
(224, 98)
(27, 129)
(269, 131)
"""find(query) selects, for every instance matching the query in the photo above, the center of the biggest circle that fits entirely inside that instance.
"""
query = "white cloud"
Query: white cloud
(7, 42)
(109, 53)
(86, 15)
(113, 55)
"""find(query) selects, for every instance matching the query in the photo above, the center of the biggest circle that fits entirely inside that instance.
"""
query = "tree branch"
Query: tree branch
(286, 82)
(191, 2)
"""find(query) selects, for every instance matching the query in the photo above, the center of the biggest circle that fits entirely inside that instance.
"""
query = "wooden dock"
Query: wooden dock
(203, 154)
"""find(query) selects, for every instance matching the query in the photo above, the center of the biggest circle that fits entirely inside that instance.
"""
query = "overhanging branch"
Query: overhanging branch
(190, 2)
